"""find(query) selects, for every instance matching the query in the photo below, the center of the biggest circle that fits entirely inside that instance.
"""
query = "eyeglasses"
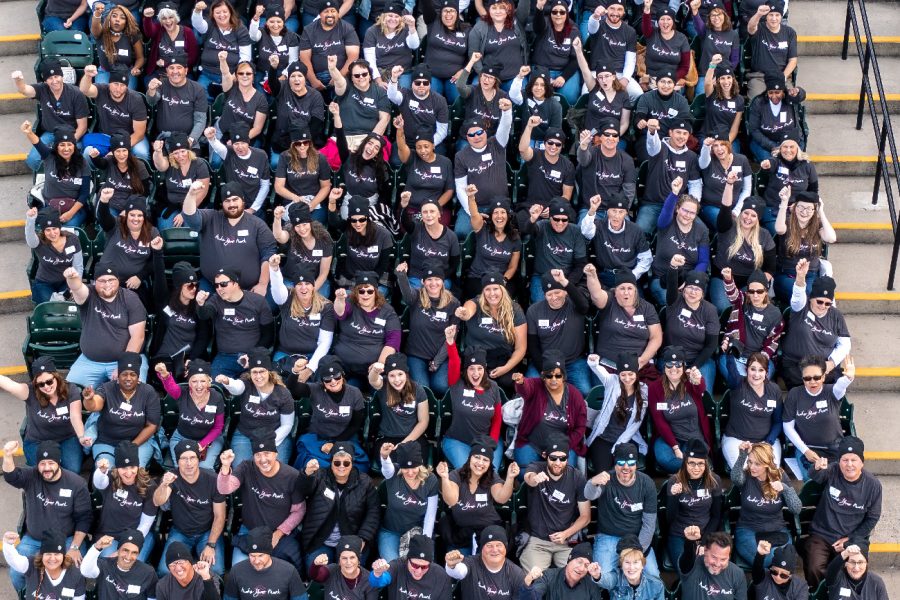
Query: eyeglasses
(626, 463)
(696, 464)
(365, 291)
(557, 458)
(610, 134)
(360, 75)
(245, 74)
(107, 281)
(561, 219)
(821, 302)
(687, 212)
(756, 291)
(359, 219)
(557, 12)
(418, 567)
(856, 563)
(552, 375)
(421, 82)
(813, 377)
(674, 364)
(779, 574)
(475, 133)
(223, 284)
(553, 143)
(341, 463)
(332, 378)
(45, 383)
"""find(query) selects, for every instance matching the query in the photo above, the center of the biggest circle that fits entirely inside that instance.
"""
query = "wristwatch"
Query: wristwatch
(211, 545)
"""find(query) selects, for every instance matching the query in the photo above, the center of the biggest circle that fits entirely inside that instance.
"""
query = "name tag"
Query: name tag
(567, 41)
(315, 317)
(757, 317)
(229, 312)
(126, 406)
(782, 117)
(76, 180)
(380, 321)
(680, 164)
(243, 232)
(662, 406)
(343, 410)
(210, 408)
(737, 169)
(810, 315)
(543, 322)
(771, 403)
(179, 43)
(702, 493)
(436, 170)
(252, 170)
(555, 173)
(481, 498)
(782, 45)
(731, 104)
(368, 101)
(486, 157)
(411, 404)
(133, 589)
(460, 35)
(440, 314)
(834, 491)
(638, 318)
(558, 495)
(70, 249)
(822, 404)
(186, 182)
(469, 393)
(414, 104)
(637, 507)
(282, 48)
(673, 112)
(328, 494)
(123, 52)
(845, 592)
(65, 493)
(62, 410)
(317, 253)
(372, 249)
(121, 494)
(68, 592)
(253, 399)
(686, 313)
(486, 320)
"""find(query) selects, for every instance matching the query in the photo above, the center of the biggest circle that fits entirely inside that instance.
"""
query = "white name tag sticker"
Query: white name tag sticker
(558, 495)
(662, 406)
(822, 404)
(555, 173)
(731, 104)
(460, 35)
(328, 494)
(122, 494)
(782, 45)
(481, 498)
(133, 589)
(638, 318)
(845, 592)
(65, 493)
(810, 315)
(637, 507)
(368, 101)
(436, 170)
(253, 399)
(62, 410)
(702, 493)
(771, 403)
(757, 317)
(76, 180)
(126, 406)
(782, 117)
(210, 408)
(70, 249)
(835, 493)
(229, 312)
(282, 48)
(372, 249)
(737, 169)
(486, 320)
(673, 112)
(317, 253)
(123, 52)
(543, 322)
(380, 321)
(68, 592)
(680, 164)
(686, 313)
(486, 157)
(567, 41)
(252, 170)
(179, 43)
(343, 410)
(243, 232)
(186, 182)
(315, 317)
(414, 104)
(469, 393)
(440, 314)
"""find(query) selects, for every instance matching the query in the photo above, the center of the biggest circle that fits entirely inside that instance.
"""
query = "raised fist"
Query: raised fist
(90, 71)
(226, 458)
(505, 104)
(534, 121)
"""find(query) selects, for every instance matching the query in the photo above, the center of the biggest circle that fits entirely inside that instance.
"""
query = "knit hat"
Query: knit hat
(475, 356)
(785, 557)
(330, 366)
(697, 279)
(434, 272)
(756, 204)
(119, 75)
(107, 270)
(183, 272)
(178, 59)
(408, 455)
(187, 446)
(626, 451)
(548, 283)
(421, 547)
(616, 199)
(723, 68)
(492, 278)
(809, 197)
(299, 213)
(366, 278)
(341, 448)
(823, 287)
(259, 358)
(396, 362)
(118, 141)
(627, 362)
(673, 354)
(555, 133)
(264, 442)
(493, 533)
(43, 364)
(665, 74)
(126, 455)
(582, 550)
(628, 542)
(358, 206)
(295, 67)
(305, 274)
(53, 542)
(776, 6)
(556, 442)
(136, 202)
(48, 450)
(759, 277)
(791, 135)
(559, 206)
(177, 141)
(483, 446)
(681, 124)
(774, 82)
(178, 551)
(129, 361)
(696, 448)
(299, 133)
(421, 72)
(259, 540)
(852, 445)
(48, 217)
(624, 276)
(349, 543)
(231, 273)
(492, 70)
(239, 132)
(553, 359)
(329, 4)
(50, 68)
(231, 190)
(63, 133)
(131, 536)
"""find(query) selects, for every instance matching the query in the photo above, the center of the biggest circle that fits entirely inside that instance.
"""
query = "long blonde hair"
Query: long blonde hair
(443, 300)
(752, 239)
(382, 25)
(505, 314)
(319, 303)
(764, 455)
(298, 164)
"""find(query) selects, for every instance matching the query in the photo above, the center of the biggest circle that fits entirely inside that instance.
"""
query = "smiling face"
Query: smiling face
(851, 466)
(65, 150)
(789, 149)
(341, 465)
(749, 219)
(127, 474)
(259, 560)
(49, 470)
(477, 136)
(721, 149)
(222, 15)
(176, 74)
(128, 555)
(135, 220)
(539, 89)
(199, 383)
(687, 213)
(756, 373)
(632, 566)
(371, 149)
(552, 148)
(397, 379)
(52, 561)
(856, 566)
(329, 17)
(493, 293)
(716, 558)
(475, 373)
(717, 18)
(666, 24)
(555, 298)
(128, 381)
(559, 223)
(349, 562)
(625, 472)
(494, 552)
(479, 465)
(182, 571)
(695, 467)
(666, 86)
(431, 214)
(499, 12)
(449, 15)
(121, 155)
(275, 25)
(577, 568)
(433, 286)
(266, 462)
(188, 464)
(614, 14)
(362, 77)
(679, 137)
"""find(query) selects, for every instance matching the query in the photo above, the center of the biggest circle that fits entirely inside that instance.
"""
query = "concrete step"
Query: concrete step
(831, 45)
(848, 204)
(863, 291)
(831, 75)
(884, 557)
(827, 17)
(873, 410)
(877, 362)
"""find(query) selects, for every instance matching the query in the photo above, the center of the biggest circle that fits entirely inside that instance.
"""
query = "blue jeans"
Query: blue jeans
(243, 449)
(709, 214)
(803, 465)
(388, 544)
(206, 79)
(674, 546)
(33, 160)
(571, 90)
(708, 370)
(536, 288)
(758, 152)
(168, 222)
(745, 543)
(583, 24)
(225, 363)
(784, 285)
(657, 291)
(72, 453)
(457, 452)
(309, 446)
(648, 215)
(56, 24)
(463, 225)
(41, 290)
(445, 88)
(577, 373)
(665, 456)
(196, 543)
(85, 372)
(212, 452)
(288, 549)
(605, 554)
(140, 150)
(146, 451)
(146, 549)
(717, 294)
(436, 381)
(768, 219)
(528, 454)
(30, 547)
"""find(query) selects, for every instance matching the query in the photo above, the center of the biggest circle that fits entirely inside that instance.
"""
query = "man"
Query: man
(55, 500)
(113, 321)
(773, 46)
(119, 110)
(627, 506)
(569, 582)
(714, 577)
(61, 104)
(663, 105)
(771, 116)
(483, 164)
(243, 166)
(328, 36)
(415, 576)
(488, 575)
(181, 101)
(123, 575)
(607, 170)
(186, 580)
(616, 44)
(558, 244)
(557, 507)
(619, 244)
(364, 105)
(269, 500)
(550, 172)
(263, 575)
(198, 509)
(421, 109)
(849, 508)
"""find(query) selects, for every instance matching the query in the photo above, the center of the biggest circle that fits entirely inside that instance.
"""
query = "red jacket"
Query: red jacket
(535, 395)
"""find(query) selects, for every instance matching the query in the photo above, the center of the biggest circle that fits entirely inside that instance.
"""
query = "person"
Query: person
(694, 496)
(717, 161)
(497, 324)
(180, 103)
(618, 243)
(364, 104)
(62, 105)
(412, 498)
(355, 511)
(49, 572)
(197, 509)
(243, 103)
(52, 413)
(124, 571)
(275, 42)
(446, 45)
(668, 50)
(691, 321)
(389, 44)
(128, 249)
(60, 15)
(302, 176)
(817, 327)
(119, 109)
(310, 246)
(432, 246)
(780, 581)
(620, 416)
(499, 38)
(720, 43)
(801, 234)
(168, 38)
(269, 500)
(179, 330)
(713, 569)
(773, 46)
(185, 577)
(626, 506)
(57, 502)
(298, 107)
(789, 166)
(548, 117)
(551, 50)
(113, 322)
(724, 103)
(558, 244)
(329, 35)
(655, 112)
(119, 39)
(627, 324)
(489, 569)
(556, 324)
(608, 104)
(676, 405)
(417, 574)
(55, 251)
(577, 579)
(628, 579)
(241, 164)
(67, 176)
(471, 492)
(557, 507)
(128, 410)
(755, 408)
(481, 101)
(811, 414)
(764, 491)
(849, 510)
(263, 573)
(670, 159)
(609, 169)
(552, 408)
(348, 578)
(182, 168)
(428, 174)
(222, 31)
(550, 173)
(402, 403)
(771, 117)
(615, 43)
(121, 170)
(850, 571)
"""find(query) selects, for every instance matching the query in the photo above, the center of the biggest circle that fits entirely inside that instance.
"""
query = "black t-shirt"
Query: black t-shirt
(332, 414)
(476, 509)
(610, 45)
(553, 504)
(618, 249)
(751, 414)
(427, 253)
(601, 109)
(422, 113)
(302, 182)
(267, 46)
(485, 169)
(699, 584)
(122, 508)
(120, 181)
(491, 254)
(665, 167)
(720, 115)
(426, 325)
(238, 110)
(809, 334)
(300, 255)
(618, 332)
(176, 106)
(192, 503)
(52, 264)
(126, 255)
(300, 335)
(681, 415)
(178, 183)
(323, 43)
(546, 179)
(279, 581)
(121, 419)
(267, 501)
(389, 51)
(665, 55)
(772, 51)
(472, 411)
(124, 52)
(118, 116)
(406, 506)
(688, 328)
(427, 181)
(248, 172)
(557, 250)
(261, 414)
(758, 324)
(758, 513)
(71, 585)
(50, 422)
(104, 325)
(360, 109)
(694, 504)
(445, 50)
(60, 184)
(483, 331)
(63, 506)
(620, 508)
(674, 241)
(337, 588)
(561, 329)
(300, 110)
(483, 584)
(215, 40)
(798, 175)
(742, 263)
(714, 176)
(361, 336)
(845, 505)
(70, 106)
(550, 53)
(367, 257)
(139, 582)
(242, 246)
(434, 584)
(817, 419)
(717, 42)
(398, 420)
(237, 323)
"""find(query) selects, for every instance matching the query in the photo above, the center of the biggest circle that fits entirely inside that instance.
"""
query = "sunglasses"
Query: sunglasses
(552, 375)
(825, 303)
(475, 133)
(626, 463)
(557, 12)
(342, 463)
(365, 291)
(557, 458)
(779, 574)
(555, 144)
(610, 134)
(421, 82)
(332, 378)
(674, 364)
(245, 74)
(302, 143)
(359, 219)
(360, 75)
(223, 284)
(808, 378)
(561, 219)
(45, 383)
(418, 567)
(756, 291)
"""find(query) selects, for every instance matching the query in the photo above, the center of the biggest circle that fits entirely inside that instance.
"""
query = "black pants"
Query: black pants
(600, 453)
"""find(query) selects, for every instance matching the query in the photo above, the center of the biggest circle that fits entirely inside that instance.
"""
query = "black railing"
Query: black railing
(881, 118)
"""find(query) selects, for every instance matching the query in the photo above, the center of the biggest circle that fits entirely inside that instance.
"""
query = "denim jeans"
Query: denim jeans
(535, 288)
(674, 546)
(196, 543)
(717, 295)
(56, 24)
(146, 451)
(657, 291)
(243, 449)
(784, 285)
(605, 554)
(457, 452)
(205, 80)
(463, 225)
(309, 446)
(72, 453)
(571, 90)
(30, 547)
(388, 544)
(436, 381)
(745, 543)
(288, 549)
(758, 152)
(709, 214)
(85, 371)
(140, 150)
(803, 465)
(212, 452)
(665, 456)
(146, 549)
(577, 373)
(42, 290)
(648, 215)
(225, 363)
(445, 88)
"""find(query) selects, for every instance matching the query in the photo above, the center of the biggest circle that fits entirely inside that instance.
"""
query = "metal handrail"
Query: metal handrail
(881, 119)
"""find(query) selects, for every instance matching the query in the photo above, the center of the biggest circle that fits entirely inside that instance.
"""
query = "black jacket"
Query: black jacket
(355, 510)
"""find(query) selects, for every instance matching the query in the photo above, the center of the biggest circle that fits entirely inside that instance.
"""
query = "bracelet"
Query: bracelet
(711, 66)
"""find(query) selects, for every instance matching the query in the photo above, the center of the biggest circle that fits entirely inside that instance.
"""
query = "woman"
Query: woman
(347, 579)
(368, 327)
(60, 15)
(667, 48)
(50, 574)
(788, 167)
(850, 571)
(126, 494)
(754, 410)
(742, 246)
(402, 403)
(628, 581)
(338, 414)
(168, 39)
(222, 31)
(446, 45)
(626, 324)
(412, 498)
(620, 416)
(724, 103)
(552, 409)
(201, 412)
(676, 405)
(369, 246)
(538, 102)
(303, 176)
(128, 239)
(54, 250)
(682, 241)
(498, 247)
(497, 324)
(119, 43)
(553, 48)
(498, 39)
(432, 246)
(474, 403)
(428, 175)
(812, 412)
(432, 308)
(266, 406)
(471, 492)
(802, 234)
(308, 242)
(608, 100)
(391, 42)
(307, 319)
(180, 168)
(276, 46)
(717, 161)
(778, 581)
(243, 103)
(764, 491)
(67, 176)
(693, 497)
(52, 413)
(692, 322)
(298, 107)
(122, 171)
(719, 46)
(481, 100)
